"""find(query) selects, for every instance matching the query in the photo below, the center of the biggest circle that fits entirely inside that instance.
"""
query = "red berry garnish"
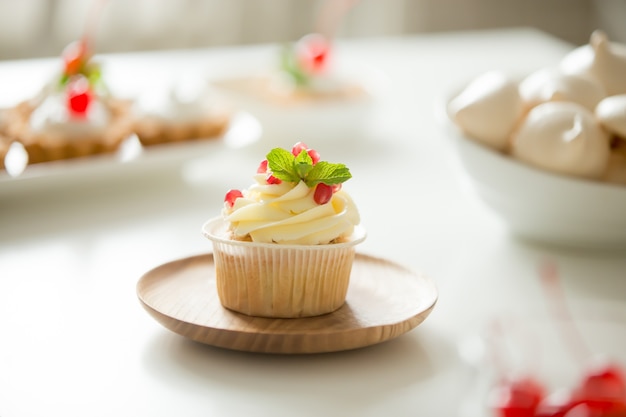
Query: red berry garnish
(323, 193)
(603, 388)
(262, 169)
(557, 404)
(315, 156)
(313, 51)
(299, 147)
(517, 398)
(74, 56)
(273, 180)
(586, 409)
(231, 196)
(78, 96)
(605, 381)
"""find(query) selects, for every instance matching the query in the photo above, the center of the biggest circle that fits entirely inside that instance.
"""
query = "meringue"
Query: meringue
(550, 84)
(601, 59)
(611, 113)
(616, 168)
(488, 109)
(562, 137)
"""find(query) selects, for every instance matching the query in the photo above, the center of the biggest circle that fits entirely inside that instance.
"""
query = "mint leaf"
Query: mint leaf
(327, 173)
(287, 167)
(282, 164)
(289, 64)
(303, 164)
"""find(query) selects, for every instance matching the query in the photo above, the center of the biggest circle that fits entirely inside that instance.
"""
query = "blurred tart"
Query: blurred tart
(187, 110)
(304, 95)
(73, 116)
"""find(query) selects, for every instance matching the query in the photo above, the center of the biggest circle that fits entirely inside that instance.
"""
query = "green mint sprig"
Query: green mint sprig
(289, 64)
(287, 167)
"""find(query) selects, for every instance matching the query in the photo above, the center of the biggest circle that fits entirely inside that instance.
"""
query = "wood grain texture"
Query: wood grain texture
(384, 300)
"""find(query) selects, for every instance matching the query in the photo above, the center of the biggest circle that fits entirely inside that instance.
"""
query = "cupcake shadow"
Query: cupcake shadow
(384, 368)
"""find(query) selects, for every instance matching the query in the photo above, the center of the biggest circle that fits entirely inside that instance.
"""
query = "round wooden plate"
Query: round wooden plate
(384, 301)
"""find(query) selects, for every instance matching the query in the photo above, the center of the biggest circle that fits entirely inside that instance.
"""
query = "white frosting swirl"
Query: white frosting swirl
(286, 213)
(52, 116)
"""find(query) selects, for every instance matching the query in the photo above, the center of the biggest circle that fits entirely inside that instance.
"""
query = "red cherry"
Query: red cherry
(262, 169)
(602, 393)
(557, 404)
(319, 59)
(315, 156)
(585, 409)
(313, 51)
(74, 56)
(605, 382)
(323, 193)
(78, 96)
(517, 398)
(231, 196)
(273, 180)
(299, 147)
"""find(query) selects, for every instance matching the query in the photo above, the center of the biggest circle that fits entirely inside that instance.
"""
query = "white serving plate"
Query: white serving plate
(132, 161)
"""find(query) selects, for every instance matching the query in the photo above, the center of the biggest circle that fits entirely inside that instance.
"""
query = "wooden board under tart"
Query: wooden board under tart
(384, 301)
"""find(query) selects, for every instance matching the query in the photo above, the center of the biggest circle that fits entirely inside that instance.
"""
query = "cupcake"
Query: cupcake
(186, 110)
(305, 94)
(74, 115)
(284, 247)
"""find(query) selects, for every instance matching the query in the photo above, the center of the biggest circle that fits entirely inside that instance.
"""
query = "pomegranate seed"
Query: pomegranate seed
(231, 196)
(323, 193)
(273, 180)
(318, 60)
(298, 147)
(313, 51)
(336, 187)
(315, 156)
(78, 96)
(262, 169)
(517, 398)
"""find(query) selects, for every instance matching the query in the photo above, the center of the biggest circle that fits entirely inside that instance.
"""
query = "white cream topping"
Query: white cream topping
(601, 59)
(562, 137)
(186, 100)
(52, 116)
(611, 113)
(286, 213)
(488, 109)
(550, 84)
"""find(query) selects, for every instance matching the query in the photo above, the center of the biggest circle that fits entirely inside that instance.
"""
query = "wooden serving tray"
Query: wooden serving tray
(384, 301)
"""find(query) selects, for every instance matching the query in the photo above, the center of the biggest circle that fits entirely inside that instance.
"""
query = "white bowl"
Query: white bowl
(539, 205)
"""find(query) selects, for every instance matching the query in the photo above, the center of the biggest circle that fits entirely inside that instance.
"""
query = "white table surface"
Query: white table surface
(75, 341)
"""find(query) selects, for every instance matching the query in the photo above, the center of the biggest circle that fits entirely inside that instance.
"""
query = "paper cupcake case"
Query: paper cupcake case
(281, 281)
